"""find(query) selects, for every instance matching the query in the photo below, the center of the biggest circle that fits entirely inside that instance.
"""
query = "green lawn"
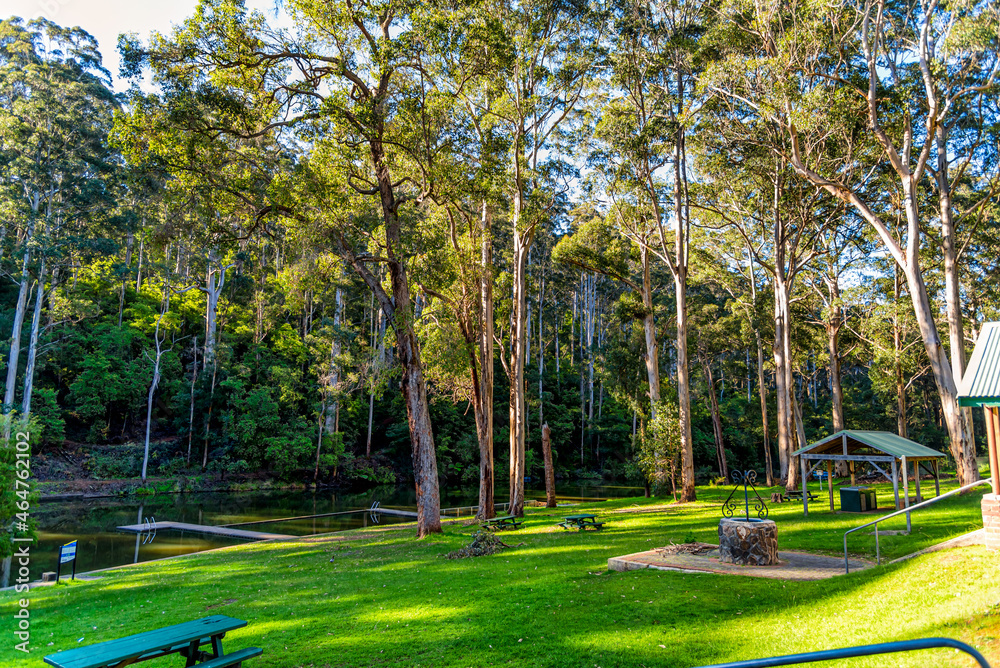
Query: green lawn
(388, 599)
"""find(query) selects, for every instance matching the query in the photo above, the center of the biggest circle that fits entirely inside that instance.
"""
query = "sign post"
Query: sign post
(66, 553)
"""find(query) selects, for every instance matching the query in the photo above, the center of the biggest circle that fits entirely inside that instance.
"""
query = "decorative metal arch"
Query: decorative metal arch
(747, 480)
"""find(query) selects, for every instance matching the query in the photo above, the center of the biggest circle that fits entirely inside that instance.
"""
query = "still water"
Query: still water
(93, 522)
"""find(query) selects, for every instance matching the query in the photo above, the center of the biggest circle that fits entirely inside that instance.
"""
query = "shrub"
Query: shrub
(124, 461)
(369, 470)
(46, 413)
(227, 466)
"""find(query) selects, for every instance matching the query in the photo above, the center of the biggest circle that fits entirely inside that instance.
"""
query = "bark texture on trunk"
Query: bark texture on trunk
(550, 475)
(194, 381)
(782, 389)
(953, 302)
(680, 273)
(331, 407)
(399, 313)
(652, 357)
(153, 385)
(484, 416)
(518, 407)
(15, 335)
(720, 446)
(215, 281)
(962, 445)
(29, 369)
(897, 366)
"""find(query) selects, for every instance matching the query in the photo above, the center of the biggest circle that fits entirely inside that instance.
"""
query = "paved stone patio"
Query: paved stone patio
(790, 566)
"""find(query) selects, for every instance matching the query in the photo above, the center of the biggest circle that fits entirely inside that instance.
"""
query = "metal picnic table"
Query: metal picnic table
(185, 639)
(580, 522)
(505, 522)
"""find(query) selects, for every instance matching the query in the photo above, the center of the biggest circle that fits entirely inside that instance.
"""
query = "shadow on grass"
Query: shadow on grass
(387, 599)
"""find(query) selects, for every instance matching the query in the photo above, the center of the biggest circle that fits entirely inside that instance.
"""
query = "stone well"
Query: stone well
(748, 543)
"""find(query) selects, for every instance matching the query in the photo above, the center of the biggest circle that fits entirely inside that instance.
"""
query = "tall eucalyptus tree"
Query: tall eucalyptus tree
(642, 159)
(909, 72)
(56, 107)
(553, 48)
(347, 81)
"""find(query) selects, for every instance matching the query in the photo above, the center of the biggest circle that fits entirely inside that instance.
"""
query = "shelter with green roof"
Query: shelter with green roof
(883, 450)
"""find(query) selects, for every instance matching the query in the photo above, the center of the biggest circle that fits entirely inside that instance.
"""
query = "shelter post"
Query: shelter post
(937, 479)
(829, 480)
(906, 491)
(851, 464)
(805, 489)
(916, 479)
(895, 482)
(992, 434)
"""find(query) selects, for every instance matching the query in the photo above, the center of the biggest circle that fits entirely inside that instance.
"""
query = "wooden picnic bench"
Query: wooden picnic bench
(501, 523)
(581, 522)
(796, 495)
(185, 639)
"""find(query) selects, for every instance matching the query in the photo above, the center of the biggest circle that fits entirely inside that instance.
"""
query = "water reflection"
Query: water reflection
(93, 522)
(138, 519)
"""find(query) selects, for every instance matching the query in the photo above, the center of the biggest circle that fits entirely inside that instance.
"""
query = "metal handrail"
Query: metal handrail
(878, 559)
(862, 650)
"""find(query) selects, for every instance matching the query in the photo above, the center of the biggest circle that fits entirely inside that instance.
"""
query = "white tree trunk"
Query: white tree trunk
(194, 380)
(541, 350)
(15, 335)
(518, 416)
(36, 319)
(212, 292)
(153, 386)
(335, 351)
(782, 382)
(652, 357)
(487, 500)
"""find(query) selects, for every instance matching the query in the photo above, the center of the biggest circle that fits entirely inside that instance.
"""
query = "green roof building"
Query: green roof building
(882, 450)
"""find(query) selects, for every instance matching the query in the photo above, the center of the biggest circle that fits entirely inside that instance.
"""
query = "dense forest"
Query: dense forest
(394, 242)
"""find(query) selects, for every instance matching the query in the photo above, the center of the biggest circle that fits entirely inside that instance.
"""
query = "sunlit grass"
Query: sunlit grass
(388, 599)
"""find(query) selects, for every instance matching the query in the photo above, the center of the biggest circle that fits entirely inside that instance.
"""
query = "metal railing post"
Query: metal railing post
(907, 511)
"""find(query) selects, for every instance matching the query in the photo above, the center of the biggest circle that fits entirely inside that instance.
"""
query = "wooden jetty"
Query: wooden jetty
(228, 532)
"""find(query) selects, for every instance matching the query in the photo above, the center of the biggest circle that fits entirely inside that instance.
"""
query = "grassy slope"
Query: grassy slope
(387, 599)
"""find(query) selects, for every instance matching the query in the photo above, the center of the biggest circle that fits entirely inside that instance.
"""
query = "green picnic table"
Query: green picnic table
(185, 639)
(501, 523)
(580, 522)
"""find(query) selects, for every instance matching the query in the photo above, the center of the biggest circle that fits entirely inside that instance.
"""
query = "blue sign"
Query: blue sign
(67, 552)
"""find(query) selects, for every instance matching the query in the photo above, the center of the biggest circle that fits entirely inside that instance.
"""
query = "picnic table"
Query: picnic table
(580, 522)
(796, 495)
(501, 523)
(185, 639)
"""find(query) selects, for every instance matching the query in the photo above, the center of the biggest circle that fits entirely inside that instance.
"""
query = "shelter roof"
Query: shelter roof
(860, 443)
(980, 386)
